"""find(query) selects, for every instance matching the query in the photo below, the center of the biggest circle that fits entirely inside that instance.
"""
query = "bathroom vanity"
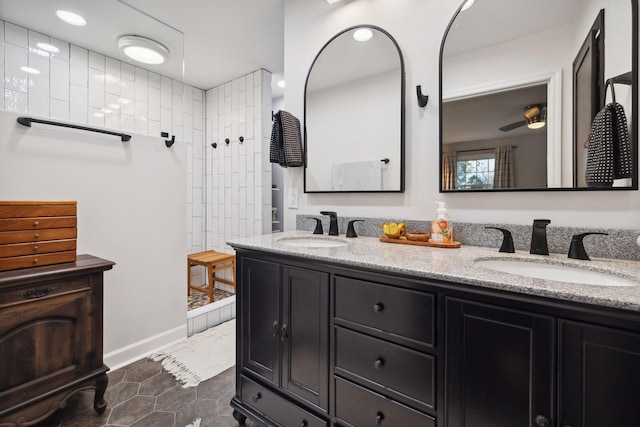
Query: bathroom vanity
(368, 334)
(50, 338)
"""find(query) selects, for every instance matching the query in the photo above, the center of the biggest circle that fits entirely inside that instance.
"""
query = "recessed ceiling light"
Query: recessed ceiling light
(143, 50)
(332, 1)
(30, 70)
(362, 35)
(281, 83)
(48, 47)
(71, 18)
(467, 5)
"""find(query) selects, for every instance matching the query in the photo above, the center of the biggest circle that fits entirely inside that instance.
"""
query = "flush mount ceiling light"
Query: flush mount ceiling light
(71, 18)
(362, 35)
(143, 50)
(332, 1)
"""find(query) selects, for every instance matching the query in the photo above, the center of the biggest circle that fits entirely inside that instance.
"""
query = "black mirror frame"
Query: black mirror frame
(402, 113)
(633, 123)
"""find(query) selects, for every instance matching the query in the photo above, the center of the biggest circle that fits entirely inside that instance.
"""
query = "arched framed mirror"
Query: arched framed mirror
(520, 85)
(354, 114)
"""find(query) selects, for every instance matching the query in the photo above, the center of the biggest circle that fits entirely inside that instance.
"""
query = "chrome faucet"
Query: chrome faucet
(333, 222)
(539, 237)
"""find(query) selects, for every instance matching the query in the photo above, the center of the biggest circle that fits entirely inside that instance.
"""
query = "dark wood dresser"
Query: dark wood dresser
(50, 338)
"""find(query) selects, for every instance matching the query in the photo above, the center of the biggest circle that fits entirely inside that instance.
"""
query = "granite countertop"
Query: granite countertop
(457, 265)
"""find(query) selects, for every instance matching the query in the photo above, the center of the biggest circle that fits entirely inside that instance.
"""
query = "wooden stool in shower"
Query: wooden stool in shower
(214, 262)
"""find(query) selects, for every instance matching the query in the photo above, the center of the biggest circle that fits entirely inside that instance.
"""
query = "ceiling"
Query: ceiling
(221, 40)
(481, 117)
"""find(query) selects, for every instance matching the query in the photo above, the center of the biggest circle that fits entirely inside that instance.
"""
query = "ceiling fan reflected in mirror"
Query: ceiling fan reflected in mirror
(535, 117)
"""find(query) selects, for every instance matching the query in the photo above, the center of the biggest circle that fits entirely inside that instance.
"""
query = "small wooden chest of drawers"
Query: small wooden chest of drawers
(36, 233)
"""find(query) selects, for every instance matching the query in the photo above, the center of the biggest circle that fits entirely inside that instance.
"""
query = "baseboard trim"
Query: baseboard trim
(143, 348)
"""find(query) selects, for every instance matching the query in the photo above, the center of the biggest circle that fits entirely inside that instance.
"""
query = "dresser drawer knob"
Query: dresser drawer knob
(257, 397)
(379, 418)
(304, 423)
(35, 224)
(378, 307)
(379, 363)
(35, 261)
(35, 248)
(35, 236)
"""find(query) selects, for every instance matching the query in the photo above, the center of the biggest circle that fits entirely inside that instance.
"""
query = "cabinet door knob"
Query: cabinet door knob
(283, 334)
(379, 363)
(542, 421)
(378, 307)
(379, 417)
(304, 423)
(257, 397)
(275, 328)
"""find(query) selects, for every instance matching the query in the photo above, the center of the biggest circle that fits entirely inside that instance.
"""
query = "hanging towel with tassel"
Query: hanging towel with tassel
(609, 149)
(286, 142)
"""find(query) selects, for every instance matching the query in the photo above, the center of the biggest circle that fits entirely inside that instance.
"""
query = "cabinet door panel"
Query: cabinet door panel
(260, 295)
(305, 336)
(599, 376)
(43, 344)
(500, 369)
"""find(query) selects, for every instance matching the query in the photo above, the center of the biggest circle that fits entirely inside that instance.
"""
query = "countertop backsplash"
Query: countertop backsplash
(619, 244)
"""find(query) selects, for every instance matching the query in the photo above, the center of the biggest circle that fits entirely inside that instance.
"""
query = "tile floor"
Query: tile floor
(199, 299)
(144, 395)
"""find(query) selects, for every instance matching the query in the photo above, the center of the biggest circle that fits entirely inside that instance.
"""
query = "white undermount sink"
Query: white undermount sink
(558, 272)
(313, 242)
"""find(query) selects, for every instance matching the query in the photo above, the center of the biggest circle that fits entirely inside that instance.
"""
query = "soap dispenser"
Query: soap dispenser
(441, 227)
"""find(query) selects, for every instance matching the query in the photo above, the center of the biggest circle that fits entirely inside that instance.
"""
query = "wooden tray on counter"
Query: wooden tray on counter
(403, 241)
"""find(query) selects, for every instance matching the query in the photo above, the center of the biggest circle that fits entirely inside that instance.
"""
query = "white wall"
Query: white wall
(131, 210)
(418, 26)
(238, 175)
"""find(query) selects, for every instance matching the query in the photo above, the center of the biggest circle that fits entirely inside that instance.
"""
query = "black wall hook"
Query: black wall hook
(168, 142)
(214, 145)
(227, 141)
(422, 99)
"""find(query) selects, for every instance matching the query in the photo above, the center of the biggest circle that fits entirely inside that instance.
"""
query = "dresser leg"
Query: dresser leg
(99, 404)
(240, 418)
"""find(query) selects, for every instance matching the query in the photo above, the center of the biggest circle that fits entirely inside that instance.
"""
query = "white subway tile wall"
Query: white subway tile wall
(238, 179)
(228, 188)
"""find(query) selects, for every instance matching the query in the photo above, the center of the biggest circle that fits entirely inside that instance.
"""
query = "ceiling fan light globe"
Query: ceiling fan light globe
(536, 125)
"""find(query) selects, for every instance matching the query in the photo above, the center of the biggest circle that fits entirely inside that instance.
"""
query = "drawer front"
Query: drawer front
(38, 223)
(18, 249)
(27, 261)
(363, 408)
(28, 210)
(10, 296)
(394, 367)
(397, 311)
(7, 237)
(277, 408)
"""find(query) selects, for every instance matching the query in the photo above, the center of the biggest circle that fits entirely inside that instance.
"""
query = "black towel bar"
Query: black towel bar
(26, 121)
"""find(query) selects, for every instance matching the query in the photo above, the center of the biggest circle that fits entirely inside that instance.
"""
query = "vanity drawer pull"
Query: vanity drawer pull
(275, 328)
(379, 363)
(304, 423)
(378, 307)
(379, 418)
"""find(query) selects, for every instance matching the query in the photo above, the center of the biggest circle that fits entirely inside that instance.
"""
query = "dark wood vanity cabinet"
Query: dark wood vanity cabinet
(322, 344)
(50, 338)
(283, 342)
(500, 366)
